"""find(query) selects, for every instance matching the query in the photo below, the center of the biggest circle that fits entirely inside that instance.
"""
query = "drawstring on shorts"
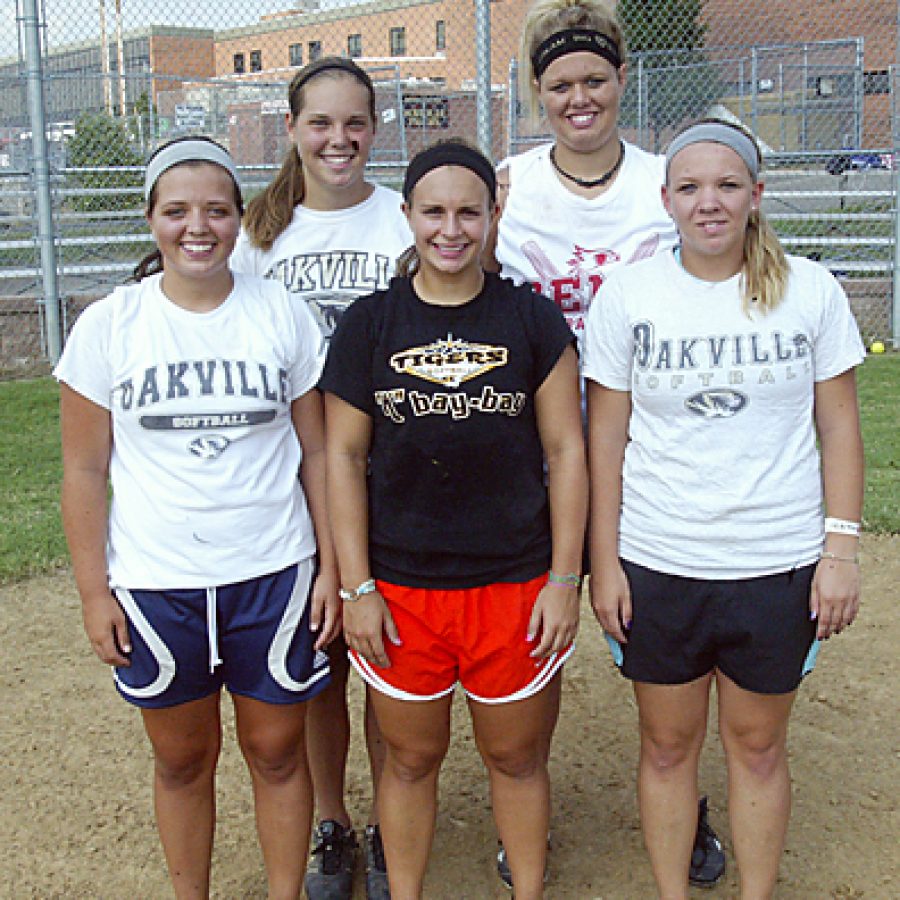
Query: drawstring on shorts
(212, 632)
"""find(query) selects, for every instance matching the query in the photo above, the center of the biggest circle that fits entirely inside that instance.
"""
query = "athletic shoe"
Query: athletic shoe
(708, 857)
(503, 865)
(329, 875)
(377, 887)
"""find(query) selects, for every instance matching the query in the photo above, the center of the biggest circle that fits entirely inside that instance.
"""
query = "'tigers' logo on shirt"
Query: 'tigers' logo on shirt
(449, 361)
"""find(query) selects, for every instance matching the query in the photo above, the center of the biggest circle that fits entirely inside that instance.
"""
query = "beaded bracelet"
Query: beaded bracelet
(834, 557)
(570, 580)
(351, 596)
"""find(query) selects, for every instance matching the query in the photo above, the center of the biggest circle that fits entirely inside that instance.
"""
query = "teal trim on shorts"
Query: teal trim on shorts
(616, 649)
(810, 662)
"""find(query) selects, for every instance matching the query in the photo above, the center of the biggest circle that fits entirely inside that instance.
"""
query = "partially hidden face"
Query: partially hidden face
(450, 213)
(581, 93)
(195, 220)
(709, 193)
(333, 132)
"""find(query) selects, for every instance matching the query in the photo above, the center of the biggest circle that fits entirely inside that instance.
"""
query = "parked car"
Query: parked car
(859, 161)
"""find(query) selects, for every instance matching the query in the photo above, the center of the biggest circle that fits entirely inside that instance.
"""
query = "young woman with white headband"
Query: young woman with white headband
(192, 392)
(712, 369)
(575, 210)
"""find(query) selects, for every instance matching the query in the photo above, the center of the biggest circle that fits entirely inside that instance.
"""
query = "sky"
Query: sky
(78, 20)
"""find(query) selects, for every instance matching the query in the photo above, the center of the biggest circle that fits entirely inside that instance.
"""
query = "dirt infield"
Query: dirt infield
(75, 805)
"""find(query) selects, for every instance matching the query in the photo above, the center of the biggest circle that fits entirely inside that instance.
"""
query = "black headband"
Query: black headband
(574, 40)
(449, 154)
(337, 64)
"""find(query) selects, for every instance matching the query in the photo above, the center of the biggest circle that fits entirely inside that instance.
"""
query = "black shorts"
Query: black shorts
(757, 631)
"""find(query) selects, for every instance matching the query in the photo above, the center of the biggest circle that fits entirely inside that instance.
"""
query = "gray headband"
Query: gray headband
(186, 151)
(717, 133)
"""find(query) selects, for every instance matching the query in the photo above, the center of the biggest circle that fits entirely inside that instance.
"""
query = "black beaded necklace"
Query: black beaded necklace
(589, 183)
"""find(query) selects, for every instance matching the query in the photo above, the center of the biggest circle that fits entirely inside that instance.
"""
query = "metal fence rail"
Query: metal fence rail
(87, 93)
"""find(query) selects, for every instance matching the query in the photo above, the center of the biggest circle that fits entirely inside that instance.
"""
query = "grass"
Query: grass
(879, 402)
(31, 539)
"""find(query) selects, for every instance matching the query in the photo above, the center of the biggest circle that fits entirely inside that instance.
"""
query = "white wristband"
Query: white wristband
(841, 526)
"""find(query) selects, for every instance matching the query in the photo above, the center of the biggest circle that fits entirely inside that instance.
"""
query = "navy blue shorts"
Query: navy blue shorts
(757, 631)
(252, 636)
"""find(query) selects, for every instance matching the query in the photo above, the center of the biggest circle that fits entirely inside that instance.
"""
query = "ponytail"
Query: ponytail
(765, 268)
(151, 264)
(408, 262)
(269, 213)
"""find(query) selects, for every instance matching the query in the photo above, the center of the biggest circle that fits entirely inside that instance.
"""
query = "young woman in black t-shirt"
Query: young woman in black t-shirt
(444, 396)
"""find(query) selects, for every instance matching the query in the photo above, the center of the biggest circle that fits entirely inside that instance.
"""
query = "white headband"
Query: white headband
(186, 151)
(717, 133)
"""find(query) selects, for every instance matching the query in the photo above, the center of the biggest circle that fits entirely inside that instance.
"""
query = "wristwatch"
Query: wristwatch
(367, 587)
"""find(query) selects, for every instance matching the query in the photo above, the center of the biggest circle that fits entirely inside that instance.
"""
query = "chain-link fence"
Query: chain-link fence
(88, 90)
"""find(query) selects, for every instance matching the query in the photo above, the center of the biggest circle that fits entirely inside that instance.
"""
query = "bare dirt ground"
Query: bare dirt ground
(75, 806)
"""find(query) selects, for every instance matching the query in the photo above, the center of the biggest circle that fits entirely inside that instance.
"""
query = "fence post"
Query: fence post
(895, 178)
(41, 176)
(483, 76)
(513, 106)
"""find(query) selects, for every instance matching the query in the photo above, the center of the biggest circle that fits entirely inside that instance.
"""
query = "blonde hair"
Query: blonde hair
(764, 267)
(547, 17)
(269, 213)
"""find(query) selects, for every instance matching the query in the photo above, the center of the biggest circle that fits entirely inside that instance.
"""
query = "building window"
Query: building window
(256, 60)
(440, 35)
(315, 50)
(295, 55)
(354, 45)
(398, 41)
(430, 111)
(876, 82)
(239, 64)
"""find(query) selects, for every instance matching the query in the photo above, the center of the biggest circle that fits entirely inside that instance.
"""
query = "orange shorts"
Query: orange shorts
(476, 636)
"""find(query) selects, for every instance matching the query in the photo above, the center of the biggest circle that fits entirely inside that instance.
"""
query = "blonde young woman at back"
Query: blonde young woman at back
(584, 205)
(712, 369)
(329, 235)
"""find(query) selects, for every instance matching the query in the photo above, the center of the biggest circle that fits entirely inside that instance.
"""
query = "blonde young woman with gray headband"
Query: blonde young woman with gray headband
(724, 544)
(192, 392)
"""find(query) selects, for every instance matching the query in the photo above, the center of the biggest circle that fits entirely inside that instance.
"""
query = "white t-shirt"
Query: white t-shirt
(331, 257)
(567, 245)
(204, 456)
(721, 476)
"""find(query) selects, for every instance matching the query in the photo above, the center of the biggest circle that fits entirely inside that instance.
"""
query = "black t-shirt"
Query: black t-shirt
(456, 485)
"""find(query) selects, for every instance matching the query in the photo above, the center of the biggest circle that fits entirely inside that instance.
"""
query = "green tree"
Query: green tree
(676, 80)
(102, 142)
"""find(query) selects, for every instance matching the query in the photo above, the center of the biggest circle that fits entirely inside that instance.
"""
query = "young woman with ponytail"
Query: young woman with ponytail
(712, 369)
(578, 208)
(192, 394)
(329, 235)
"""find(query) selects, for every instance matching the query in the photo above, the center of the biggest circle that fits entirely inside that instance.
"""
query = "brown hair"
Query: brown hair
(547, 17)
(269, 213)
(152, 263)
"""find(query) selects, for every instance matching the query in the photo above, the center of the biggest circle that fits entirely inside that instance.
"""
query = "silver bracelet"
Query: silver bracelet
(827, 554)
